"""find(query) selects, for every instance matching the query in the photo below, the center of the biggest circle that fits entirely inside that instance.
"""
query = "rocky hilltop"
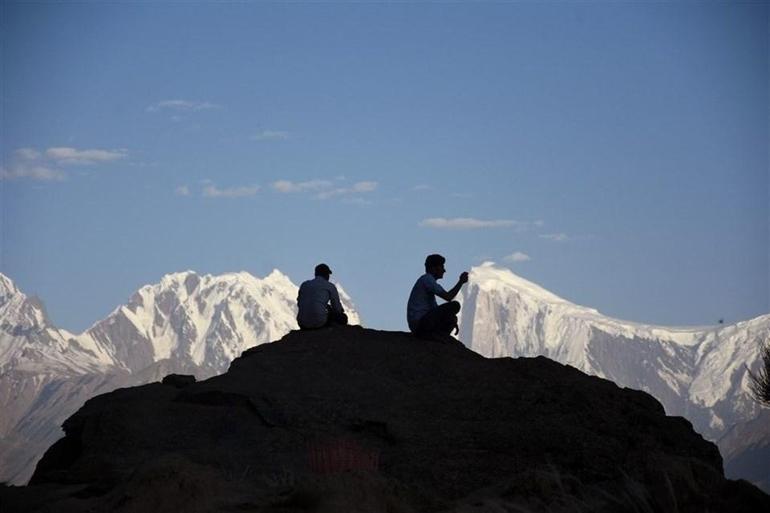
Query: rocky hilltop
(187, 323)
(348, 419)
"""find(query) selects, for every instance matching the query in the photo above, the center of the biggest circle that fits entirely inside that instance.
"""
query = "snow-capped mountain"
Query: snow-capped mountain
(45, 375)
(200, 321)
(196, 324)
(186, 323)
(698, 373)
(30, 343)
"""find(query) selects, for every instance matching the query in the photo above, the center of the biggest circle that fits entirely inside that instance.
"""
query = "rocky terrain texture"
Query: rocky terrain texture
(348, 419)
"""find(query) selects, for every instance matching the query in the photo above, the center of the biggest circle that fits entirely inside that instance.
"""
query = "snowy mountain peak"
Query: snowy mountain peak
(7, 286)
(19, 310)
(489, 276)
(699, 372)
(276, 277)
(202, 321)
(175, 280)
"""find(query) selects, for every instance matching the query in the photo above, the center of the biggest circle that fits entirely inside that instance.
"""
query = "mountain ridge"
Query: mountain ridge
(197, 323)
(685, 363)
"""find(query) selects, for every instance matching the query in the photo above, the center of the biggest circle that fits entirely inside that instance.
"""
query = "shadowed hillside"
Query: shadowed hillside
(348, 419)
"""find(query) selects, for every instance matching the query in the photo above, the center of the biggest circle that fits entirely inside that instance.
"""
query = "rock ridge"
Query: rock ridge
(351, 419)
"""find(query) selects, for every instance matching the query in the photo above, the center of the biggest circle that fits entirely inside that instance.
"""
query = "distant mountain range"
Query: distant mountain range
(197, 324)
(699, 373)
(187, 323)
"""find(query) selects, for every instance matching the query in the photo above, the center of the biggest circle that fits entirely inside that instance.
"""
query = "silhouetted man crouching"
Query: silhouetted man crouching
(425, 317)
(318, 302)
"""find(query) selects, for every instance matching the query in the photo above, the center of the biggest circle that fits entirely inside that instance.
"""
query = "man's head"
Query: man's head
(434, 265)
(323, 271)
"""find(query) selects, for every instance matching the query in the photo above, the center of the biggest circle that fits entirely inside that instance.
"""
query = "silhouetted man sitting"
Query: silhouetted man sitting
(426, 319)
(318, 302)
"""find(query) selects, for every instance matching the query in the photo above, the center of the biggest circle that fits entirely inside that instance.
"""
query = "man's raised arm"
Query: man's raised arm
(451, 293)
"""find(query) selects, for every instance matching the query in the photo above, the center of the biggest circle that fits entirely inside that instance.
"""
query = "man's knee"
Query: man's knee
(454, 306)
(337, 318)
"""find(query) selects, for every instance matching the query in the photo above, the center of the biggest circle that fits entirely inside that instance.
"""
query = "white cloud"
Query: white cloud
(64, 155)
(28, 153)
(30, 163)
(364, 186)
(517, 256)
(181, 106)
(182, 190)
(467, 223)
(32, 172)
(287, 186)
(555, 237)
(356, 188)
(422, 187)
(212, 191)
(357, 201)
(268, 135)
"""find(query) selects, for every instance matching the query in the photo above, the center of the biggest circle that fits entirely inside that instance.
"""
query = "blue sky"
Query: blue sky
(616, 154)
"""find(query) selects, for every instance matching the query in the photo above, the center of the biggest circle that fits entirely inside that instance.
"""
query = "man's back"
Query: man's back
(422, 299)
(314, 296)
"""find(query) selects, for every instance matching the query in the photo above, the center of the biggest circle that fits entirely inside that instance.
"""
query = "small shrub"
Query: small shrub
(760, 382)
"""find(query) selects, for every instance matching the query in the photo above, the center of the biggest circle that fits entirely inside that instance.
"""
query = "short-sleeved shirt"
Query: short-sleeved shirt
(422, 299)
(312, 300)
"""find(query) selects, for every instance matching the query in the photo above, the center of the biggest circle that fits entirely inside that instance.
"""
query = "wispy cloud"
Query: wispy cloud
(180, 106)
(357, 201)
(469, 223)
(19, 171)
(356, 188)
(27, 153)
(364, 187)
(517, 256)
(65, 155)
(212, 191)
(555, 237)
(422, 187)
(287, 186)
(33, 164)
(270, 135)
(182, 190)
(326, 189)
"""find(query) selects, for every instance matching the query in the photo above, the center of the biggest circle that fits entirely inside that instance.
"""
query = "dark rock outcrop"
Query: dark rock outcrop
(348, 419)
(179, 380)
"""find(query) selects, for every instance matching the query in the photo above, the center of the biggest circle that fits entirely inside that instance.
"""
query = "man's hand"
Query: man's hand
(450, 294)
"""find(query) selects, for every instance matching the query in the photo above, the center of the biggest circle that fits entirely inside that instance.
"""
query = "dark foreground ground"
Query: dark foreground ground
(352, 420)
